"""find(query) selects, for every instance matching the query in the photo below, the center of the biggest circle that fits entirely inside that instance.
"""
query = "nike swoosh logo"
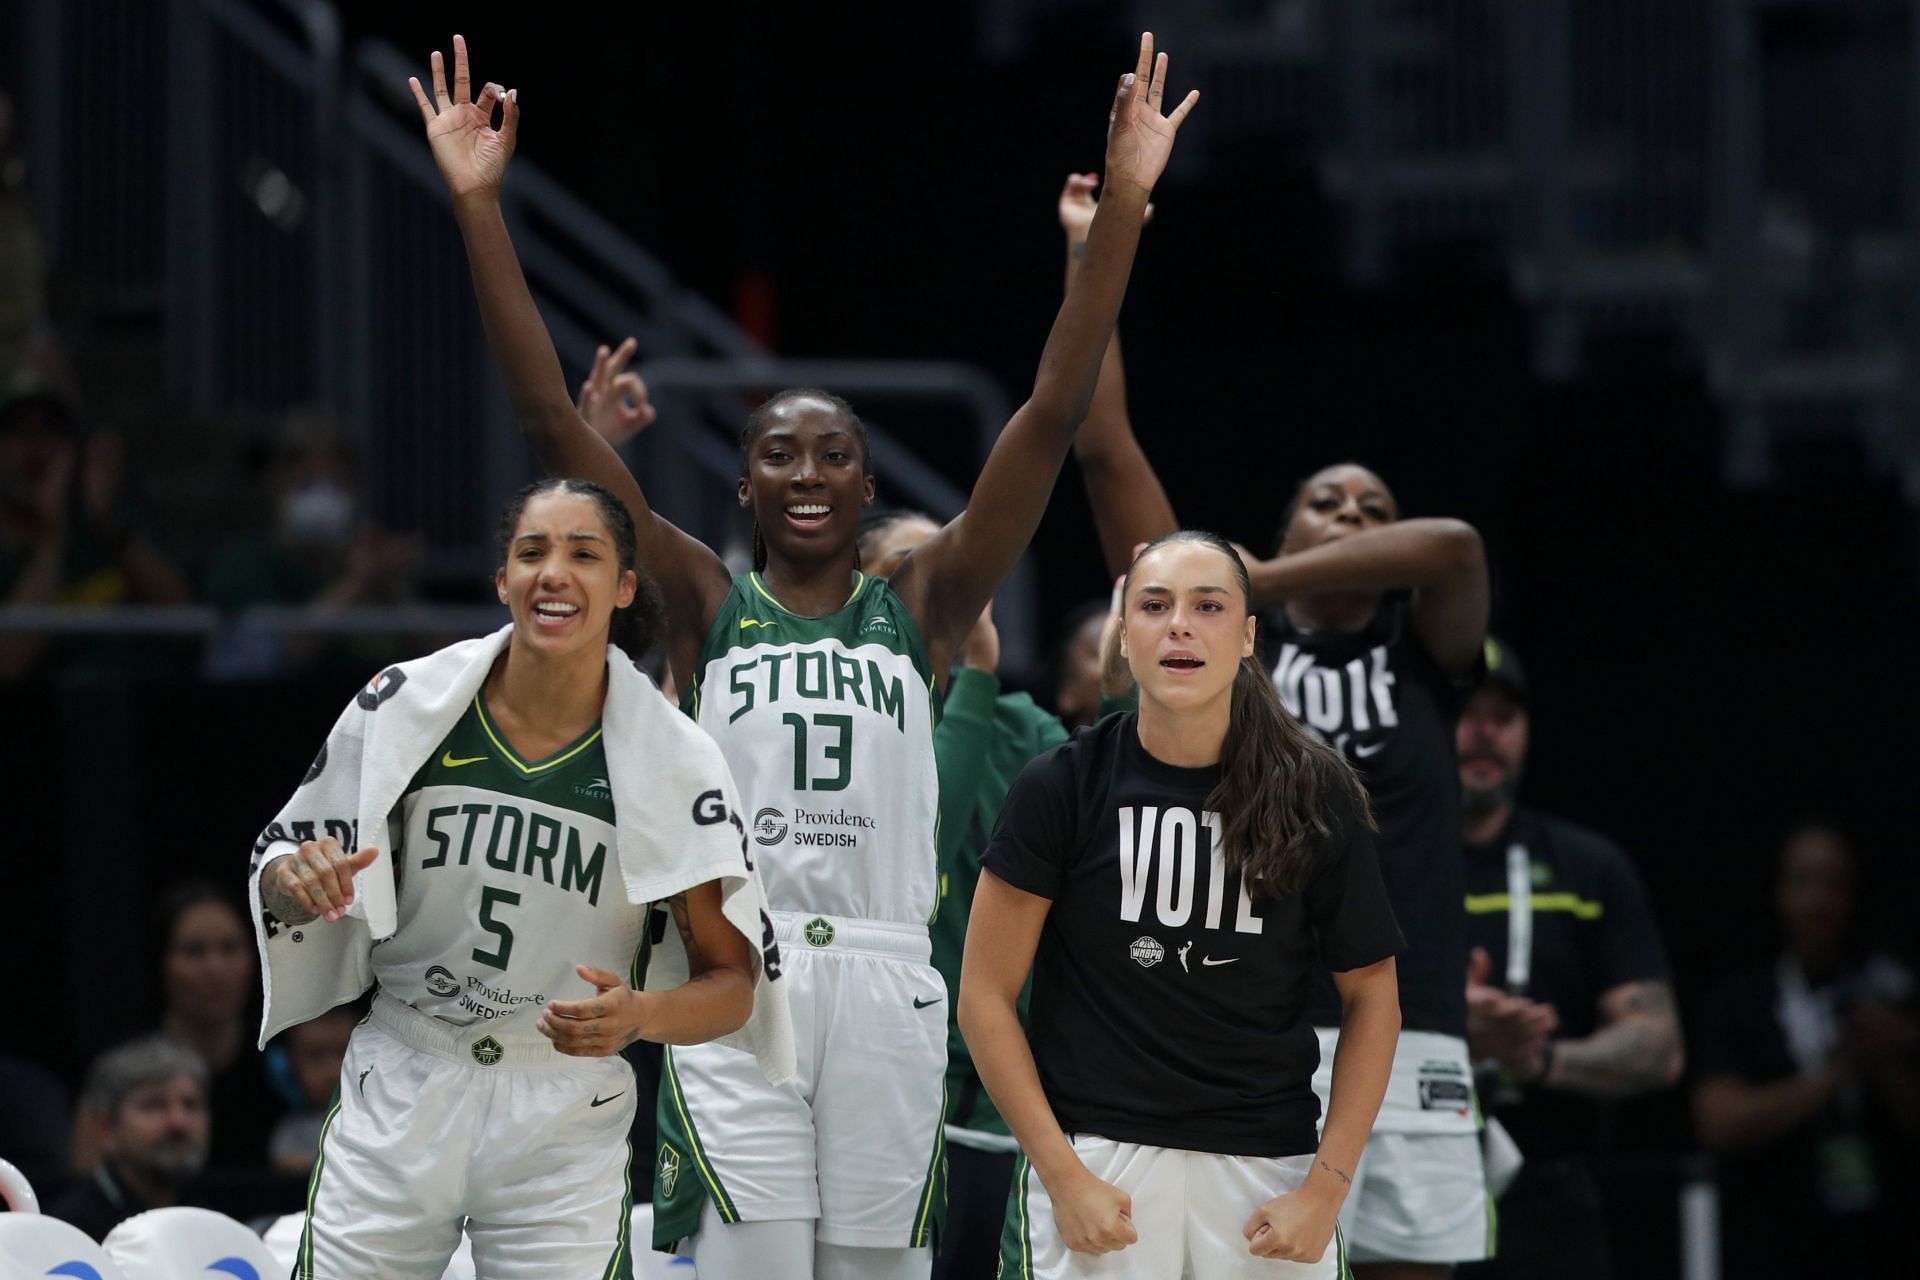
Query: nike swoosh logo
(451, 763)
(1370, 749)
(601, 1102)
(755, 622)
(918, 1003)
(1211, 960)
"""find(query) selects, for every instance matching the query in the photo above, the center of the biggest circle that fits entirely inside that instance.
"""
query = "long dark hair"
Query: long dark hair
(1282, 791)
(757, 422)
(639, 626)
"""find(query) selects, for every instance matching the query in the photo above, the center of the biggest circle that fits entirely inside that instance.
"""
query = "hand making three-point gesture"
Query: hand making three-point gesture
(1139, 138)
(471, 153)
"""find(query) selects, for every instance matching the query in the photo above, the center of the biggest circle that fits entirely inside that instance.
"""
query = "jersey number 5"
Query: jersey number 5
(839, 752)
(491, 897)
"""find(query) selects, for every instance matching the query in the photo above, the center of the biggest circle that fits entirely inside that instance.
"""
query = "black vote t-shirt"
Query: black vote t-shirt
(1169, 1004)
(1377, 696)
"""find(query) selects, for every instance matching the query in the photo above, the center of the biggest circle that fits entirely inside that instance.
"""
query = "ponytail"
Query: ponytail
(1281, 792)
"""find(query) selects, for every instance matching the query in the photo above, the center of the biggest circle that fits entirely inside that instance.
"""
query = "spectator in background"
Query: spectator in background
(1809, 1088)
(312, 1052)
(144, 1109)
(67, 532)
(1077, 666)
(1569, 1001)
(324, 551)
(207, 972)
(23, 269)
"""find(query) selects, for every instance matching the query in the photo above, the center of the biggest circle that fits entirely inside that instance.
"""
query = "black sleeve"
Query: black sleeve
(1346, 902)
(1034, 840)
(1732, 1036)
(1630, 946)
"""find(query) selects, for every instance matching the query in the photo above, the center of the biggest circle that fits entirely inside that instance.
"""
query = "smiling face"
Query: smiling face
(806, 479)
(1336, 502)
(1186, 626)
(1491, 742)
(562, 579)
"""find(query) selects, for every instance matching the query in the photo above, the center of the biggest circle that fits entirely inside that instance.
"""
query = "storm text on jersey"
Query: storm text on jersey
(766, 676)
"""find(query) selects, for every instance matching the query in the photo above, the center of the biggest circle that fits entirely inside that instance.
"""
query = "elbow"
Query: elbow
(974, 1010)
(1465, 551)
(736, 1007)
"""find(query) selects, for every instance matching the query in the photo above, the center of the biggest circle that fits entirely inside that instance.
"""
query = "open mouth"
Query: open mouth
(1181, 662)
(554, 613)
(808, 515)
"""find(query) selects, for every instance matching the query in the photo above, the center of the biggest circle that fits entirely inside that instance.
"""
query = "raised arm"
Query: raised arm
(1443, 561)
(949, 578)
(1129, 504)
(472, 156)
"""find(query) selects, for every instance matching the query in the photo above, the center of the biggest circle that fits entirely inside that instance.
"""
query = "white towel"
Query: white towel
(676, 812)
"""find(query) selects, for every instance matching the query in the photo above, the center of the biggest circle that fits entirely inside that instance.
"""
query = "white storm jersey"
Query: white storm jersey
(509, 877)
(827, 724)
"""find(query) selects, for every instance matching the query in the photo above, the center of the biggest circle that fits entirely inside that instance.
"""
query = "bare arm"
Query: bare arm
(1002, 933)
(1369, 1030)
(950, 578)
(1442, 560)
(1130, 506)
(715, 1000)
(473, 157)
(1636, 1049)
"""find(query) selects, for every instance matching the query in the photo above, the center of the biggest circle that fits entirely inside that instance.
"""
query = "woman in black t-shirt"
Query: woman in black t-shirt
(1170, 879)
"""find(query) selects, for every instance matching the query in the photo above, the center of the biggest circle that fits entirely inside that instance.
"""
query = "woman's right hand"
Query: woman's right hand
(314, 880)
(471, 153)
(1093, 1216)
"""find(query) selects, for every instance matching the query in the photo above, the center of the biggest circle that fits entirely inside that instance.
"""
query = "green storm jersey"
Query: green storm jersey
(827, 725)
(509, 877)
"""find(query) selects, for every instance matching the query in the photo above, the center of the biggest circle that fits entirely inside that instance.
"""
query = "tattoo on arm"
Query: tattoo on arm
(285, 907)
(1634, 1052)
(1344, 1179)
(683, 921)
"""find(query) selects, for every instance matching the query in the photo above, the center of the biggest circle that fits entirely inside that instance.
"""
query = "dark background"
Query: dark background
(1708, 664)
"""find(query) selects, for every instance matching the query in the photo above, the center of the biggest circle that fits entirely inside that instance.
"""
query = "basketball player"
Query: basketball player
(520, 1135)
(819, 684)
(1378, 628)
(1380, 623)
(1178, 871)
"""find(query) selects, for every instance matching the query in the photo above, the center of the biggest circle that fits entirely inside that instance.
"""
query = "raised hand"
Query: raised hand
(981, 651)
(613, 400)
(1139, 138)
(1077, 206)
(471, 153)
(314, 880)
(599, 1026)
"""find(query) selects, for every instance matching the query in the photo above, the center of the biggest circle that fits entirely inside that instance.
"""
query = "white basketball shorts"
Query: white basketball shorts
(1420, 1191)
(1190, 1210)
(436, 1125)
(854, 1140)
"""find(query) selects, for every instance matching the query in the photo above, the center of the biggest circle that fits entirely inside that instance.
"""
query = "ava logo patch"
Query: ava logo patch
(819, 932)
(1147, 951)
(668, 1174)
(487, 1051)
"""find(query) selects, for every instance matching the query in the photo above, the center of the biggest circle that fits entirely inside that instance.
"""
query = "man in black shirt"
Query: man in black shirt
(146, 1103)
(1568, 999)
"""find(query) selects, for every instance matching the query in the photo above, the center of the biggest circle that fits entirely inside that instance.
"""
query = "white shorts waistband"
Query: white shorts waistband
(478, 1044)
(813, 932)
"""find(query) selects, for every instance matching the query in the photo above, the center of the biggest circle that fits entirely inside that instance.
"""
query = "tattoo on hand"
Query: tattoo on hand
(1344, 1179)
(285, 907)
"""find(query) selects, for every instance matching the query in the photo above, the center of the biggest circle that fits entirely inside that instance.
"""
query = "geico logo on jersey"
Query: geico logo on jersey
(517, 840)
(769, 676)
(1161, 849)
(1337, 700)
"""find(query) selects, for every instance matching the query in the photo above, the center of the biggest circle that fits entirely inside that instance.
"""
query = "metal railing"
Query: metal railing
(229, 170)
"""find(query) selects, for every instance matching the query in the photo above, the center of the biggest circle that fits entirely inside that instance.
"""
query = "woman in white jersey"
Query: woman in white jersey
(485, 1090)
(819, 685)
(1170, 878)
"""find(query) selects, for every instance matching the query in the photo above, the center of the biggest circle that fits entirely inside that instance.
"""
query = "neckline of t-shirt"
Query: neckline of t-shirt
(1154, 766)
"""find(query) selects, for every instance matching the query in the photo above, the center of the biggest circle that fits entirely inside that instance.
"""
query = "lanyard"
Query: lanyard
(1519, 919)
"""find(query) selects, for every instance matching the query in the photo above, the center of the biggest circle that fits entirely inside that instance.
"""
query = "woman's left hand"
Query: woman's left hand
(599, 1026)
(1297, 1226)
